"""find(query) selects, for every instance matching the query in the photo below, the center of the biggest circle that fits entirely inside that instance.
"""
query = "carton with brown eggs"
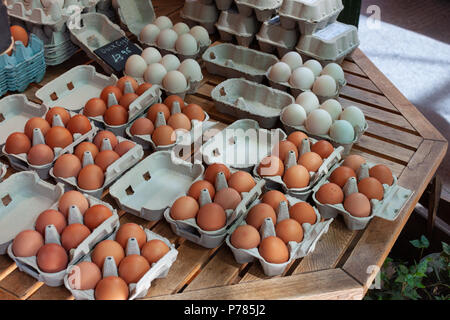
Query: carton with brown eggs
(231, 25)
(272, 36)
(200, 12)
(263, 10)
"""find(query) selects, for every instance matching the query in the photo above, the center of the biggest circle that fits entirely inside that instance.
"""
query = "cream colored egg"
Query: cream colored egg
(293, 115)
(201, 35)
(170, 62)
(314, 65)
(175, 82)
(181, 28)
(318, 122)
(293, 59)
(135, 66)
(149, 33)
(342, 131)
(354, 115)
(308, 101)
(151, 55)
(280, 72)
(324, 86)
(186, 44)
(166, 39)
(302, 78)
(163, 22)
(334, 70)
(191, 70)
(155, 73)
(333, 107)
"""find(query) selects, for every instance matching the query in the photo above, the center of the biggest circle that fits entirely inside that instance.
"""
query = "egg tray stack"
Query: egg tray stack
(272, 37)
(202, 12)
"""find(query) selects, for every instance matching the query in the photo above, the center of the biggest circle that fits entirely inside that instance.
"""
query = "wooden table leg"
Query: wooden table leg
(433, 203)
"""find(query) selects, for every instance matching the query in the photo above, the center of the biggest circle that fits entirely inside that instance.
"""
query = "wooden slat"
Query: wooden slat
(351, 67)
(6, 266)
(384, 149)
(20, 284)
(4, 295)
(362, 83)
(52, 293)
(393, 135)
(366, 97)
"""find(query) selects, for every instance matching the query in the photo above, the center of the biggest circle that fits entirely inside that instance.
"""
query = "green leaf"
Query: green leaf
(403, 269)
(416, 243)
(425, 242)
(446, 248)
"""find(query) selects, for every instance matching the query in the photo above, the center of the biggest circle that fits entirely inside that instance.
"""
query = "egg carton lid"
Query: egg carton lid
(234, 23)
(136, 14)
(311, 235)
(273, 33)
(310, 10)
(200, 12)
(262, 9)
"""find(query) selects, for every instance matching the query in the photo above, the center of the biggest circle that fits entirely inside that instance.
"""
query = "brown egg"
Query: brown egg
(84, 276)
(79, 124)
(323, 148)
(273, 199)
(296, 177)
(73, 235)
(116, 115)
(184, 208)
(63, 113)
(196, 188)
(297, 137)
(354, 161)
(86, 146)
(96, 215)
(49, 217)
(330, 193)
(58, 137)
(124, 147)
(52, 258)
(282, 148)
(40, 154)
(303, 212)
(132, 268)
(142, 88)
(382, 173)
(271, 166)
(289, 230)
(154, 109)
(110, 89)
(95, 107)
(179, 121)
(17, 143)
(91, 177)
(34, 123)
(107, 248)
(105, 158)
(130, 230)
(142, 126)
(105, 135)
(341, 175)
(128, 99)
(241, 181)
(163, 136)
(171, 99)
(259, 213)
(212, 171)
(111, 288)
(121, 83)
(211, 217)
(227, 198)
(154, 250)
(67, 165)
(357, 204)
(311, 161)
(245, 237)
(72, 198)
(194, 112)
(19, 34)
(274, 250)
(27, 243)
(371, 188)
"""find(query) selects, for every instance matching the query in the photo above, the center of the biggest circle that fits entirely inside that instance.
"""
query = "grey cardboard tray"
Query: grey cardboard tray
(232, 24)
(154, 184)
(263, 9)
(311, 235)
(245, 99)
(231, 61)
(136, 14)
(197, 12)
(3, 170)
(223, 5)
(272, 36)
(388, 208)
(140, 289)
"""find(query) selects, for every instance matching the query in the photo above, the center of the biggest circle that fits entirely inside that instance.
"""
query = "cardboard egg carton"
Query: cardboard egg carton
(246, 99)
(154, 184)
(159, 269)
(232, 61)
(189, 228)
(198, 12)
(273, 37)
(3, 170)
(232, 24)
(388, 208)
(262, 9)
(311, 235)
(136, 14)
(223, 5)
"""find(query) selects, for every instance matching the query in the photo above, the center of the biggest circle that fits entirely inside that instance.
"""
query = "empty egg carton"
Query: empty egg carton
(232, 24)
(198, 12)
(263, 9)
(272, 36)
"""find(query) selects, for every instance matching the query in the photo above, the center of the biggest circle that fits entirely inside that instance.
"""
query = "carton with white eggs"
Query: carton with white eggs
(262, 9)
(200, 12)
(231, 25)
(272, 36)
(280, 238)
(135, 14)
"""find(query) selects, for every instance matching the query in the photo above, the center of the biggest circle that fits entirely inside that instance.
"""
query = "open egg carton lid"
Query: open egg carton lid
(331, 44)
(159, 269)
(394, 198)
(189, 228)
(241, 145)
(243, 28)
(198, 12)
(273, 36)
(232, 61)
(246, 99)
(263, 9)
(136, 14)
(311, 235)
(309, 15)
(154, 184)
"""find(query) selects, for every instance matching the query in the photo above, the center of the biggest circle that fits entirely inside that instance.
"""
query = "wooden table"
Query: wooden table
(344, 262)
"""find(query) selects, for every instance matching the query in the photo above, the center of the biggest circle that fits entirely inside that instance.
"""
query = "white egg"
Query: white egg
(314, 65)
(149, 33)
(342, 131)
(170, 62)
(280, 72)
(181, 28)
(354, 115)
(334, 70)
(175, 82)
(191, 70)
(308, 101)
(186, 45)
(135, 66)
(333, 107)
(166, 39)
(318, 122)
(155, 73)
(151, 55)
(293, 115)
(293, 59)
(302, 78)
(325, 86)
(163, 22)
(201, 35)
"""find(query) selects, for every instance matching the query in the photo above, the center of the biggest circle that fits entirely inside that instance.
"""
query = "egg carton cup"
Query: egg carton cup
(273, 37)
(331, 44)
(262, 9)
(3, 171)
(223, 5)
(309, 16)
(189, 228)
(154, 184)
(136, 14)
(246, 99)
(388, 208)
(231, 61)
(316, 178)
(157, 270)
(197, 12)
(232, 24)
(311, 235)
(257, 147)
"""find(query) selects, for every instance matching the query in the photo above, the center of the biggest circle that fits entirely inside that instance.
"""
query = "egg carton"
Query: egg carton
(388, 208)
(262, 9)
(223, 5)
(245, 99)
(136, 14)
(232, 24)
(189, 228)
(159, 269)
(331, 44)
(197, 12)
(232, 148)
(311, 235)
(154, 184)
(309, 15)
(273, 37)
(3, 171)
(231, 61)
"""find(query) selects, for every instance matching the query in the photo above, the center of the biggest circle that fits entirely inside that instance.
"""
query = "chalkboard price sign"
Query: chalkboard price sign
(116, 53)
